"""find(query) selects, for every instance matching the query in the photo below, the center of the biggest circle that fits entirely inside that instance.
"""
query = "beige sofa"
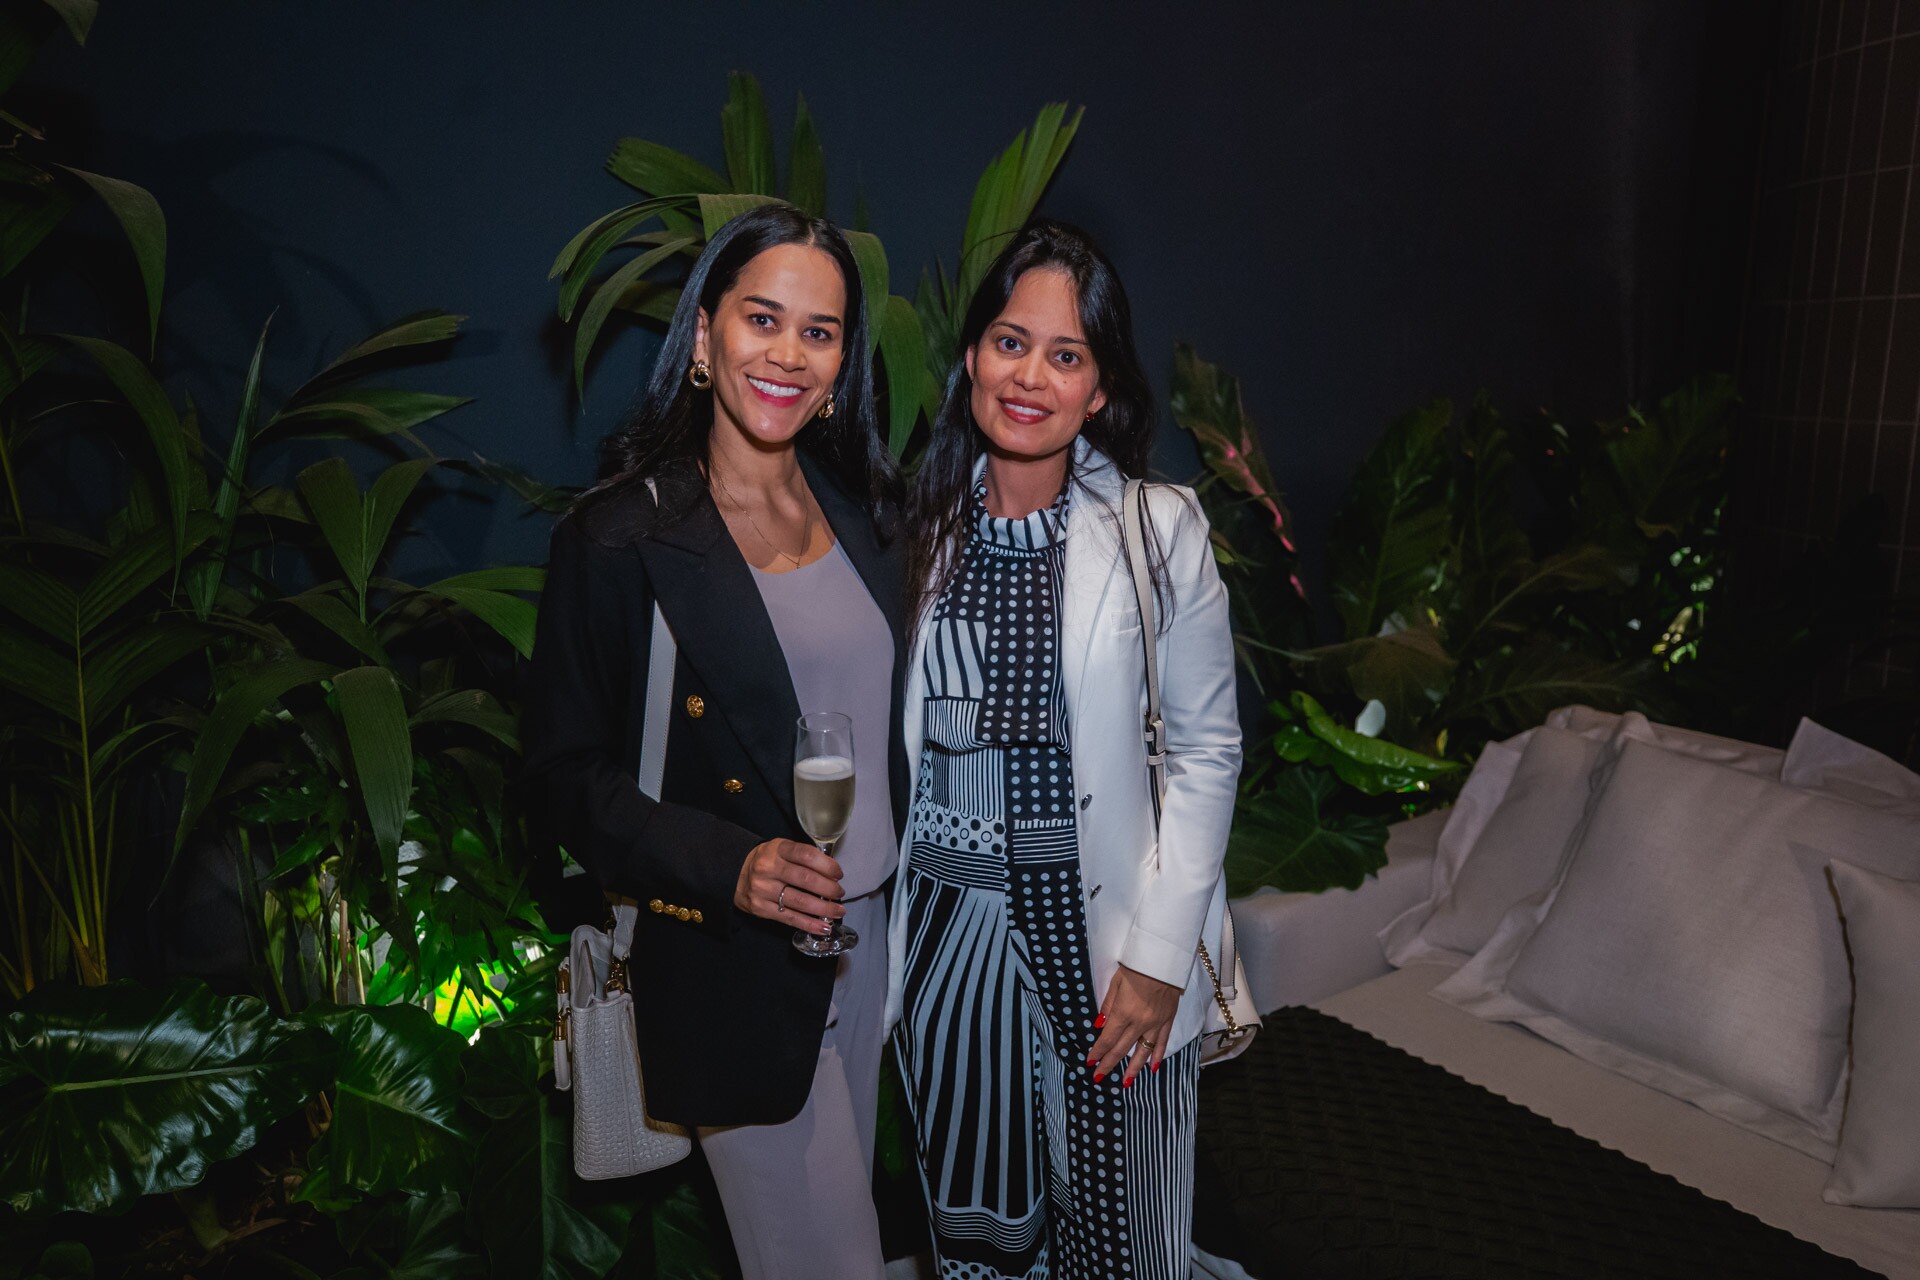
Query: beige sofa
(1644, 955)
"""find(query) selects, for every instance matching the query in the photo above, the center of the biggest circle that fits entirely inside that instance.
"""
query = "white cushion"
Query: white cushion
(1690, 942)
(1822, 760)
(1879, 1160)
(1463, 906)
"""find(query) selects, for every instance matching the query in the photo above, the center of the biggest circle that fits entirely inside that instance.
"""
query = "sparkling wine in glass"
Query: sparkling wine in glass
(823, 795)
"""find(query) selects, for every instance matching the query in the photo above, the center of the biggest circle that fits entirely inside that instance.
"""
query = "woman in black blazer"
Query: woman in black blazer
(746, 497)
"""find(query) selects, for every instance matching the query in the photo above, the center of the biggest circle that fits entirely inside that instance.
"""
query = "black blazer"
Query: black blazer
(729, 1015)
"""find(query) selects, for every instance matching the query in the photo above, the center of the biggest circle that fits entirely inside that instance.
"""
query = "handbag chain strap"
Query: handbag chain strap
(1154, 729)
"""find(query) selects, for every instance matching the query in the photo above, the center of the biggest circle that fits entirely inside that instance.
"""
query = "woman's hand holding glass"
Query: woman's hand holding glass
(792, 883)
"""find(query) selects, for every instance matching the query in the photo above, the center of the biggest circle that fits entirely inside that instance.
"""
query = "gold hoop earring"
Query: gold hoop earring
(700, 375)
(826, 410)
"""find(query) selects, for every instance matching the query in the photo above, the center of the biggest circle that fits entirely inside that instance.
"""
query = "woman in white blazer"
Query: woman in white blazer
(1044, 951)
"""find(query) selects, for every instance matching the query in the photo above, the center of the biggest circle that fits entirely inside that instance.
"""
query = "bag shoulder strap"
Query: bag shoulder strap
(661, 653)
(1153, 730)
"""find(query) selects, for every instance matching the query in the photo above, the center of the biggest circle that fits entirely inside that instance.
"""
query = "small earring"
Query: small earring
(826, 410)
(700, 375)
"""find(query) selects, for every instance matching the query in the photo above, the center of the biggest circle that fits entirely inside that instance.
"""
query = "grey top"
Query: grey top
(839, 653)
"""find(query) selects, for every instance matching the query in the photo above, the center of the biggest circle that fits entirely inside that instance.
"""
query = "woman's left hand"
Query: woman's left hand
(1138, 1012)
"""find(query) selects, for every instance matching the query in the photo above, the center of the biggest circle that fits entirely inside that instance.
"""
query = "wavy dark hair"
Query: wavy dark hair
(937, 509)
(671, 421)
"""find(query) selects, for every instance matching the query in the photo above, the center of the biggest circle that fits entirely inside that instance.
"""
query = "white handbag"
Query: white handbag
(595, 1053)
(1231, 1019)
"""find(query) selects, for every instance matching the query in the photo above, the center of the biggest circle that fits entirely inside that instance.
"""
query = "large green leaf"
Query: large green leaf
(375, 717)
(389, 494)
(1308, 735)
(78, 15)
(36, 596)
(537, 1221)
(142, 390)
(339, 617)
(1408, 672)
(747, 137)
(39, 674)
(1513, 691)
(1388, 544)
(111, 1093)
(146, 227)
(655, 170)
(716, 211)
(397, 1123)
(475, 707)
(234, 710)
(582, 256)
(119, 669)
(607, 295)
(204, 580)
(409, 1238)
(1007, 193)
(134, 566)
(1285, 838)
(333, 498)
(871, 256)
(362, 411)
(903, 356)
(1668, 462)
(425, 328)
(807, 172)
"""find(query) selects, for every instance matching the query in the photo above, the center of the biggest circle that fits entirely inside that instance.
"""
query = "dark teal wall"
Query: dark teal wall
(1353, 205)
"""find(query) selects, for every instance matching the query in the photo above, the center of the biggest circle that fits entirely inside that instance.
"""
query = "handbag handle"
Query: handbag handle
(661, 652)
(1133, 505)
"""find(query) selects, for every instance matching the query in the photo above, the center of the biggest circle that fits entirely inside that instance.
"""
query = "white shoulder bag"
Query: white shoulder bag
(595, 1053)
(1227, 1030)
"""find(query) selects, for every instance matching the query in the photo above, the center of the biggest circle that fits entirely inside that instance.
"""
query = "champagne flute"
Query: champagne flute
(823, 795)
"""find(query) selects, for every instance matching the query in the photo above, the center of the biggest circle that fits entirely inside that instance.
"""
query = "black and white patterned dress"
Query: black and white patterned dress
(1032, 1169)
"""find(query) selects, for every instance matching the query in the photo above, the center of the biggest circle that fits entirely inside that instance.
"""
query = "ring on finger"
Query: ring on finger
(780, 903)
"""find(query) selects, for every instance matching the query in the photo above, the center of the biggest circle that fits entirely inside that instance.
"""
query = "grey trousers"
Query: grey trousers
(799, 1195)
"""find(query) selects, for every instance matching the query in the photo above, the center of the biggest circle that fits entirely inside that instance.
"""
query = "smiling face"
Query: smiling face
(1034, 379)
(774, 342)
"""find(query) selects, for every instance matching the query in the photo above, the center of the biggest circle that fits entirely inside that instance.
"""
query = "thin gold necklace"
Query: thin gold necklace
(806, 529)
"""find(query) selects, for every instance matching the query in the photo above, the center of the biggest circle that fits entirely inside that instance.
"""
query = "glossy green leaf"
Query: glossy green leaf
(661, 171)
(807, 171)
(536, 1219)
(582, 257)
(333, 499)
(119, 669)
(747, 136)
(1008, 192)
(716, 211)
(1286, 838)
(1308, 735)
(38, 674)
(871, 256)
(37, 597)
(364, 411)
(375, 717)
(142, 390)
(235, 709)
(903, 356)
(396, 1113)
(111, 1093)
(146, 229)
(423, 329)
(1390, 537)
(420, 1237)
(510, 616)
(204, 579)
(389, 494)
(610, 291)
(474, 707)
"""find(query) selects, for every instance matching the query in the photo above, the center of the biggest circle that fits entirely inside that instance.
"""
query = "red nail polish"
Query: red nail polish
(1154, 1067)
(1127, 1083)
(1100, 1022)
(1091, 1060)
(1098, 1076)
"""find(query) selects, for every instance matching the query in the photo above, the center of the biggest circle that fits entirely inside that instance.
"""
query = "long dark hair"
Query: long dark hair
(671, 421)
(1123, 429)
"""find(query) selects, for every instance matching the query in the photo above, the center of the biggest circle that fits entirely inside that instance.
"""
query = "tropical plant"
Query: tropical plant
(915, 339)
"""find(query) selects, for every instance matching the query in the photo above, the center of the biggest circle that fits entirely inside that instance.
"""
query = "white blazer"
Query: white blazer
(1148, 905)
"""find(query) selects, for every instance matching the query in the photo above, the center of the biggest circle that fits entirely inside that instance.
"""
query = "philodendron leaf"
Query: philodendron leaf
(111, 1093)
(396, 1113)
(1308, 735)
(537, 1221)
(411, 1238)
(1285, 838)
